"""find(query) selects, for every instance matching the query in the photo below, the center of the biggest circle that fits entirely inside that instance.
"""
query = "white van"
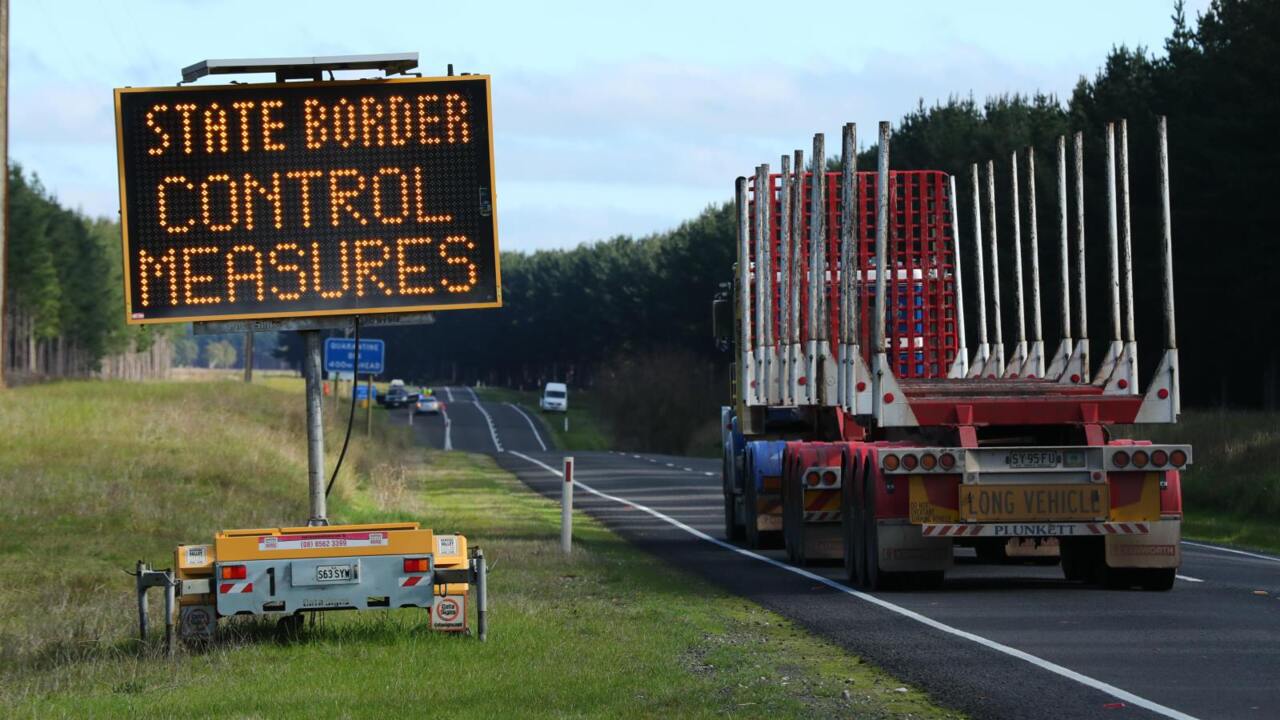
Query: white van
(555, 398)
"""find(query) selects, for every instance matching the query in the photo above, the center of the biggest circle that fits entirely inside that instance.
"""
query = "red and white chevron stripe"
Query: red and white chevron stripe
(1135, 528)
(233, 588)
(413, 580)
(821, 515)
(950, 530)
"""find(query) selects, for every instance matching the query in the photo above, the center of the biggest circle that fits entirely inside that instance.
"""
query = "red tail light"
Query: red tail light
(811, 479)
(234, 572)
(1160, 458)
(1140, 458)
(1120, 459)
(947, 461)
(928, 461)
(890, 462)
(415, 565)
(1178, 458)
(829, 479)
(909, 462)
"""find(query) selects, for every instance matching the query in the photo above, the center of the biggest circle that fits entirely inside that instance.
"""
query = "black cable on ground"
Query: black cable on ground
(355, 386)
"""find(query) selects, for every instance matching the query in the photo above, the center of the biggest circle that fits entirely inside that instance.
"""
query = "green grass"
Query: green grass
(1231, 494)
(96, 475)
(587, 431)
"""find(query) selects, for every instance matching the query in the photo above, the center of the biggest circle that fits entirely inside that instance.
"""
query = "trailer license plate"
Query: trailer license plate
(1033, 503)
(1033, 459)
(333, 573)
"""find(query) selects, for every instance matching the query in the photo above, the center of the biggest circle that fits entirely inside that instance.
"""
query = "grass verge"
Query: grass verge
(1231, 493)
(586, 430)
(100, 474)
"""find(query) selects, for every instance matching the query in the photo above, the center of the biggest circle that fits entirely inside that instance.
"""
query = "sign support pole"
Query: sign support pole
(315, 428)
(248, 356)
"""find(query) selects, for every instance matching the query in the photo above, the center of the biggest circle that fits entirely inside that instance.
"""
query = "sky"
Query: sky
(608, 120)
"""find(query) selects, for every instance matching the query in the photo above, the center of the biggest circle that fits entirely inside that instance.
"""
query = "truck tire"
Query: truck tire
(855, 559)
(1077, 562)
(873, 578)
(751, 524)
(1157, 579)
(733, 529)
(792, 512)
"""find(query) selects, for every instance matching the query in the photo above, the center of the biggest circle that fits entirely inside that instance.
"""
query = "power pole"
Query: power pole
(4, 165)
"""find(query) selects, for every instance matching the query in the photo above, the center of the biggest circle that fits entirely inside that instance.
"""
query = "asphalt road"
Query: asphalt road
(997, 641)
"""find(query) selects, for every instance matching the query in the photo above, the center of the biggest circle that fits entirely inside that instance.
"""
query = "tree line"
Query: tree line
(63, 304)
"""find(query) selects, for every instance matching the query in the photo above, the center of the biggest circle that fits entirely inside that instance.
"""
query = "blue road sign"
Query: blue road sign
(340, 355)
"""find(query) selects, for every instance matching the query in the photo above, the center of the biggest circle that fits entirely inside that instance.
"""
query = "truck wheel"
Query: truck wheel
(733, 529)
(793, 516)
(855, 558)
(1156, 579)
(751, 523)
(1077, 565)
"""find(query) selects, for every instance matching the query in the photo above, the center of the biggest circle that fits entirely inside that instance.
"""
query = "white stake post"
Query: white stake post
(566, 509)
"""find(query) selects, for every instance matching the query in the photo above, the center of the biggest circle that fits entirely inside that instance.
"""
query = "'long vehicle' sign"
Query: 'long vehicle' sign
(307, 199)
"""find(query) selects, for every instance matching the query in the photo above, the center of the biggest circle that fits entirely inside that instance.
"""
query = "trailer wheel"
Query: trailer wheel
(793, 513)
(1157, 579)
(750, 522)
(873, 578)
(1077, 563)
(850, 529)
(733, 529)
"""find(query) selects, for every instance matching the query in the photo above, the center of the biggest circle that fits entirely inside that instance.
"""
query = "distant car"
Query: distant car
(396, 397)
(428, 405)
(555, 398)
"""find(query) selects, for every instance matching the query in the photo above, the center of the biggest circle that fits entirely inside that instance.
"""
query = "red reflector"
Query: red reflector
(415, 565)
(811, 479)
(829, 478)
(1162, 393)
(234, 572)
(861, 386)
(1122, 383)
(909, 462)
(1120, 459)
(888, 398)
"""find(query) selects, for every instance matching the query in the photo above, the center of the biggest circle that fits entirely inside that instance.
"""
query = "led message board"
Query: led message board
(307, 199)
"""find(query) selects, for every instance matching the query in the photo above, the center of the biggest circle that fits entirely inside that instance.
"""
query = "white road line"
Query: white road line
(448, 428)
(1188, 578)
(493, 431)
(636, 457)
(474, 398)
(671, 464)
(1052, 667)
(687, 469)
(1233, 551)
(448, 392)
(532, 427)
(709, 474)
